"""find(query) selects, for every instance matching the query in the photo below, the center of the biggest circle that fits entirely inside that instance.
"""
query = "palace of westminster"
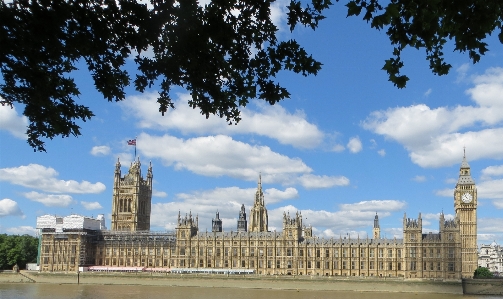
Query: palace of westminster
(67, 243)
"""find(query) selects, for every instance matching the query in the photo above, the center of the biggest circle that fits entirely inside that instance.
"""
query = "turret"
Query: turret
(376, 230)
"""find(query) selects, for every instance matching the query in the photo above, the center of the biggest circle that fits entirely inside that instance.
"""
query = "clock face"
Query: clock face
(466, 197)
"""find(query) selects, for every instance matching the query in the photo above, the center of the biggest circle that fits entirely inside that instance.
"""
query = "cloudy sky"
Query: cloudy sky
(346, 145)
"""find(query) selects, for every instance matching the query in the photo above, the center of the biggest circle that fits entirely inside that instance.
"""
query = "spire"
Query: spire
(465, 177)
(376, 221)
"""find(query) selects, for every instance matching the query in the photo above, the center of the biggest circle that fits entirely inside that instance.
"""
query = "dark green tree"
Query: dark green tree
(482, 272)
(18, 250)
(224, 53)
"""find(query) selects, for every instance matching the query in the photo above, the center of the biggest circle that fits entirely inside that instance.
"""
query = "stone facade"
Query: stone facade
(131, 201)
(491, 257)
(293, 251)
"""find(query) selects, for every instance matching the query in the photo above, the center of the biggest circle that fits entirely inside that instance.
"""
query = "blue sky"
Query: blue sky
(346, 145)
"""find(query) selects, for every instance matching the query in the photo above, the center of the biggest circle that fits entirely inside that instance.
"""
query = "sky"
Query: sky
(346, 145)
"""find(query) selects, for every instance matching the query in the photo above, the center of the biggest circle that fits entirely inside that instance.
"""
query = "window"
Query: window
(380, 252)
(218, 251)
(269, 264)
(344, 252)
(336, 252)
(327, 253)
(336, 265)
(371, 265)
(413, 252)
(309, 264)
(372, 252)
(318, 265)
(252, 252)
(451, 253)
(381, 266)
(353, 252)
(261, 252)
(210, 251)
(269, 251)
(343, 265)
(390, 253)
(399, 253)
(431, 266)
(252, 263)
(438, 267)
(278, 264)
(424, 266)
(309, 254)
(390, 266)
(412, 236)
(278, 251)
(362, 265)
(450, 267)
(353, 265)
(399, 266)
(243, 264)
(234, 252)
(362, 252)
(301, 252)
(439, 255)
(317, 253)
(413, 266)
(289, 252)
(424, 252)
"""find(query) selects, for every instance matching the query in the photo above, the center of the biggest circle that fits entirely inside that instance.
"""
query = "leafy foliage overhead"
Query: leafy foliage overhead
(224, 53)
(428, 25)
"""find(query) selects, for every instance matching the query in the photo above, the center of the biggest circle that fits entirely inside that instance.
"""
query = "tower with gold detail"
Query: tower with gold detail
(258, 216)
(465, 206)
(132, 195)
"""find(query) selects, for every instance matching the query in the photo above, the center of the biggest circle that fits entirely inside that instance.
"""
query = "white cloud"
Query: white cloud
(311, 181)
(498, 203)
(462, 71)
(272, 121)
(428, 92)
(91, 205)
(338, 148)
(374, 206)
(447, 192)
(22, 230)
(354, 145)
(381, 152)
(9, 207)
(451, 181)
(221, 155)
(490, 225)
(11, 122)
(50, 200)
(492, 189)
(157, 193)
(274, 195)
(436, 137)
(419, 178)
(44, 178)
(101, 150)
(492, 171)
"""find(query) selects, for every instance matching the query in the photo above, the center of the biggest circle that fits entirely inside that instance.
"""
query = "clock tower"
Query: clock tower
(465, 206)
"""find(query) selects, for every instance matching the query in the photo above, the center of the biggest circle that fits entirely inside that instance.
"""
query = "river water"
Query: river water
(72, 291)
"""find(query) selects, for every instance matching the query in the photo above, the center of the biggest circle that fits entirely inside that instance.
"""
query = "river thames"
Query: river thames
(73, 291)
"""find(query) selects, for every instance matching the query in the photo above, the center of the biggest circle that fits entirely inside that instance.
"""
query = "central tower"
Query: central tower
(258, 216)
(465, 206)
(132, 197)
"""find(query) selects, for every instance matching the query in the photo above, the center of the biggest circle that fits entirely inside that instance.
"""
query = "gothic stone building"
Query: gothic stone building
(449, 254)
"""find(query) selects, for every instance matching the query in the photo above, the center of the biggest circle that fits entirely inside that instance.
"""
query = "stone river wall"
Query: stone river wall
(483, 286)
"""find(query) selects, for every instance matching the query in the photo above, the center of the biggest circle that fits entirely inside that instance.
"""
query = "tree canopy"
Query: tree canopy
(18, 250)
(224, 53)
(482, 272)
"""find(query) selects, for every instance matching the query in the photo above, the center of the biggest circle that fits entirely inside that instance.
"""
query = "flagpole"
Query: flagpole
(135, 147)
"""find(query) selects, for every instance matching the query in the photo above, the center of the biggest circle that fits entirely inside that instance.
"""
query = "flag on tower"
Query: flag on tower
(131, 142)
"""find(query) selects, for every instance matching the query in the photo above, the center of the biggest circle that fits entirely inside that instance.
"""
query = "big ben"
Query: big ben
(465, 206)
